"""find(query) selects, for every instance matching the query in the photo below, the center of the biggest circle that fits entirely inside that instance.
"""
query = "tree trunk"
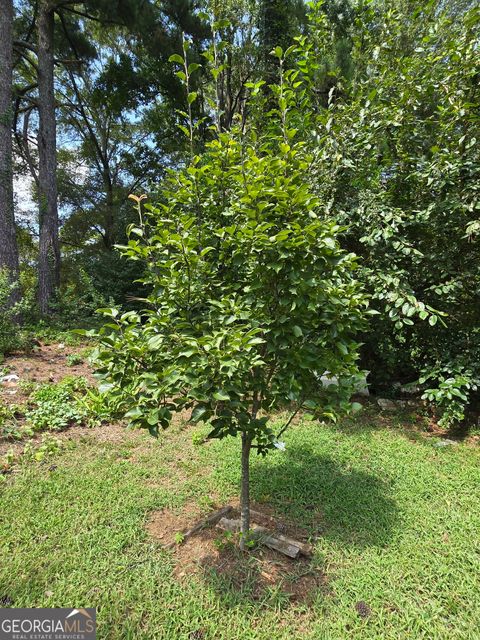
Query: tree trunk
(49, 249)
(8, 240)
(109, 217)
(245, 490)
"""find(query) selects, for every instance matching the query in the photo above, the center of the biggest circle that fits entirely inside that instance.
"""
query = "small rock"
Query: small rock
(49, 594)
(61, 346)
(386, 405)
(445, 443)
(11, 377)
(411, 389)
(328, 379)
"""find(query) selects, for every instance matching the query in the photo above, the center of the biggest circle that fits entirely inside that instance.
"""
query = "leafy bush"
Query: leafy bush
(395, 153)
(451, 395)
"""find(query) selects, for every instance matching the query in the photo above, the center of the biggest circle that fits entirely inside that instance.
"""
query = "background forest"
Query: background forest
(93, 108)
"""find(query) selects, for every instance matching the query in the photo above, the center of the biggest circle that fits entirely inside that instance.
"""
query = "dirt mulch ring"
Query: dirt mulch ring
(214, 556)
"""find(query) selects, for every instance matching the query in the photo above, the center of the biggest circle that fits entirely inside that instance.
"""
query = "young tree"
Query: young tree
(8, 242)
(250, 296)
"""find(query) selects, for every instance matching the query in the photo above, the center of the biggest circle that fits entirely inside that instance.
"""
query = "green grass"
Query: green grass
(399, 530)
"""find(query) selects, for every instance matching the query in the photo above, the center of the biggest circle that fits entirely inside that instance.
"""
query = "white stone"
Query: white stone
(361, 387)
(11, 378)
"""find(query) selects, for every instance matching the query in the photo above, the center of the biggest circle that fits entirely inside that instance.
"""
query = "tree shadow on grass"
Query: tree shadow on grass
(310, 495)
(327, 499)
(409, 421)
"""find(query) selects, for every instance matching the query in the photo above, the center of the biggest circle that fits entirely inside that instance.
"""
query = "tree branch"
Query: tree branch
(90, 17)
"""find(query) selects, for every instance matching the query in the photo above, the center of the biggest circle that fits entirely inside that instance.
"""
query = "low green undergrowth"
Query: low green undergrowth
(50, 408)
(56, 406)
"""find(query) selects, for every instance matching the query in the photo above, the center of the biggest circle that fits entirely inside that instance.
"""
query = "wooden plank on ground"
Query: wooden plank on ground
(273, 541)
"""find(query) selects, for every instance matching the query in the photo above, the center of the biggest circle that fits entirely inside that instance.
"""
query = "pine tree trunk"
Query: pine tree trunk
(109, 217)
(49, 249)
(8, 241)
(245, 490)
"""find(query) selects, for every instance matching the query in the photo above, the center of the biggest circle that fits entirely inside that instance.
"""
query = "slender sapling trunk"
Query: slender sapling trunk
(245, 490)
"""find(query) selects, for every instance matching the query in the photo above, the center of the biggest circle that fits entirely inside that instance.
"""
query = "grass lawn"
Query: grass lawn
(397, 521)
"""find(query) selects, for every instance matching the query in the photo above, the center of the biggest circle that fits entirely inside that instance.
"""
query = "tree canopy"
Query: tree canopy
(386, 109)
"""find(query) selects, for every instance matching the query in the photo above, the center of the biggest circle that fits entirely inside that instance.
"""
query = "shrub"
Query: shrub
(396, 153)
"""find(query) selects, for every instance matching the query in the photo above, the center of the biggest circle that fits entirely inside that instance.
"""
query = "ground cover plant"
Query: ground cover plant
(28, 420)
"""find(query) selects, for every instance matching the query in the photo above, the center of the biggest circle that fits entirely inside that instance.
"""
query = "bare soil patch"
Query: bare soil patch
(48, 363)
(214, 556)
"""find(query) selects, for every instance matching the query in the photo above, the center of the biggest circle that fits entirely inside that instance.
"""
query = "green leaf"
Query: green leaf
(342, 347)
(221, 395)
(176, 58)
(136, 412)
(297, 331)
(155, 342)
(197, 413)
(192, 67)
